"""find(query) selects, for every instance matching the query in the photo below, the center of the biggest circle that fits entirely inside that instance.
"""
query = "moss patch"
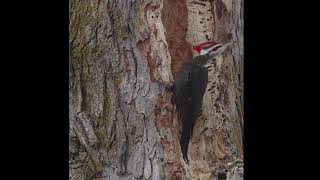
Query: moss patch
(117, 81)
(236, 134)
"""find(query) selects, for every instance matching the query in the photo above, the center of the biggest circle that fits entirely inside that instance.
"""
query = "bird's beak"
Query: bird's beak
(222, 48)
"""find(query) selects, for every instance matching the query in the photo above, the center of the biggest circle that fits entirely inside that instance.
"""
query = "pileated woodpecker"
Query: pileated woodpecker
(189, 88)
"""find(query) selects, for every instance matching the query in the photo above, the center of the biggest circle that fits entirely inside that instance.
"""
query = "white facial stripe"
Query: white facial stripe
(205, 51)
(209, 46)
(220, 50)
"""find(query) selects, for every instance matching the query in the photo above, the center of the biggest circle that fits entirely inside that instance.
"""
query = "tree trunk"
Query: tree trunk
(123, 58)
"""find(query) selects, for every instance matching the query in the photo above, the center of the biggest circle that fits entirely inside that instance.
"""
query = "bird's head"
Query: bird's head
(211, 47)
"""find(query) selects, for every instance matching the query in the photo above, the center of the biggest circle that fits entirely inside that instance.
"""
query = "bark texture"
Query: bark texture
(123, 57)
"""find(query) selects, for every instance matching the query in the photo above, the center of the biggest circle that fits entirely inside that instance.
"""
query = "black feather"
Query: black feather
(189, 88)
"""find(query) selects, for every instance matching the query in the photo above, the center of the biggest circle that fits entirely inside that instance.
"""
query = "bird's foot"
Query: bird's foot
(186, 160)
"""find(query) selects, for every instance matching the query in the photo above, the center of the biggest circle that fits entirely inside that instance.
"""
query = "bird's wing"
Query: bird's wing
(189, 88)
(181, 86)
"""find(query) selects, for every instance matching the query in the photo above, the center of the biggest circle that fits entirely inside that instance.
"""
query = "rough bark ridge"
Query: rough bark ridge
(123, 56)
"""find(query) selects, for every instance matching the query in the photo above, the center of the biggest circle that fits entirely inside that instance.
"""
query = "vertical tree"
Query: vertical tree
(123, 57)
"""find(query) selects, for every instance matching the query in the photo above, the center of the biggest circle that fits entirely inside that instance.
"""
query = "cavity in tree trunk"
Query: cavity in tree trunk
(124, 56)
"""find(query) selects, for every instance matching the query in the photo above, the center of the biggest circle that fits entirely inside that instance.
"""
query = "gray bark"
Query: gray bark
(123, 56)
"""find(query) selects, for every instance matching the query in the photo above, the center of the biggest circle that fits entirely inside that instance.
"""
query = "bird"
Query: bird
(190, 85)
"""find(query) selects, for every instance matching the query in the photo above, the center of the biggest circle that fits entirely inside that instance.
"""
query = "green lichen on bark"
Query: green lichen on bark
(117, 81)
(76, 27)
(83, 20)
(86, 56)
(102, 125)
(236, 133)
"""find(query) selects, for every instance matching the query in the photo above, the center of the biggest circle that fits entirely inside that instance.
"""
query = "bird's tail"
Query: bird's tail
(184, 142)
(184, 147)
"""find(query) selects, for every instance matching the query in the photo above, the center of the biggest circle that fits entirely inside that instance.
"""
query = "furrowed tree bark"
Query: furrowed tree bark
(123, 59)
